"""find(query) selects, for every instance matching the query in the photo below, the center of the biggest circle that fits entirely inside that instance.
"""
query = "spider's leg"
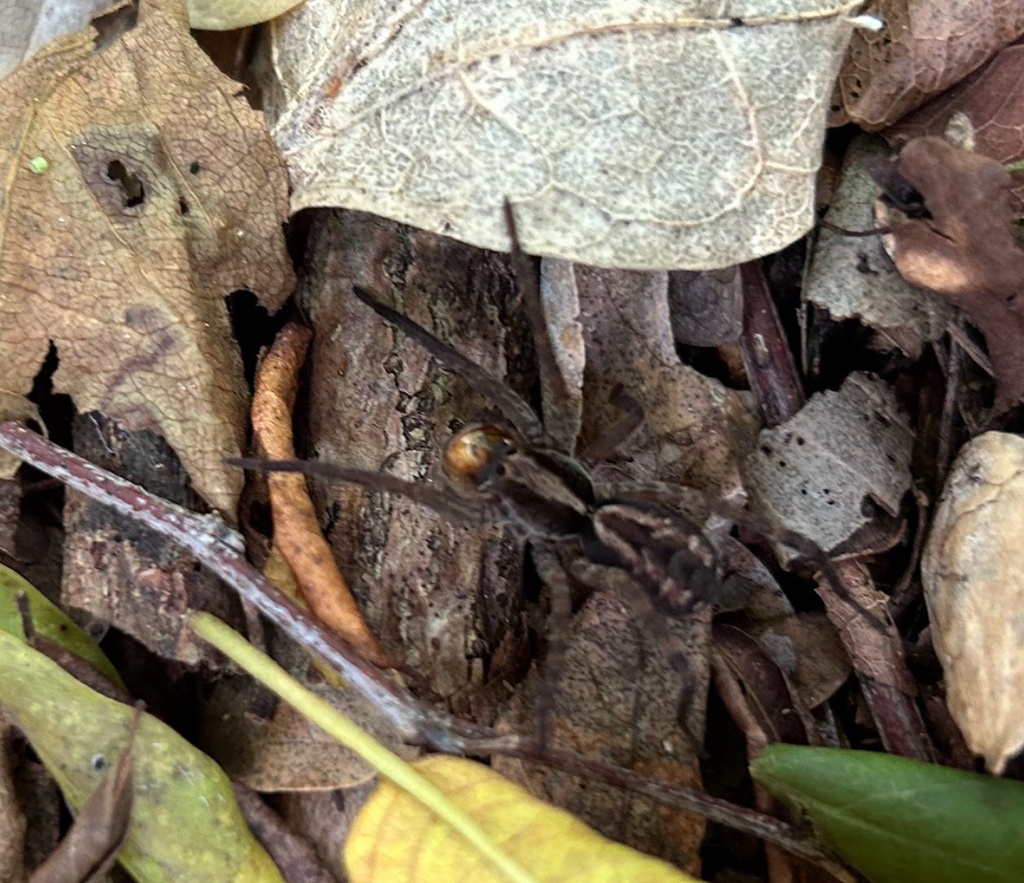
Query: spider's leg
(553, 574)
(510, 403)
(463, 510)
(557, 398)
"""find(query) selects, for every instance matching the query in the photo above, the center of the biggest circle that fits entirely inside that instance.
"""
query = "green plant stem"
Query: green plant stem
(333, 722)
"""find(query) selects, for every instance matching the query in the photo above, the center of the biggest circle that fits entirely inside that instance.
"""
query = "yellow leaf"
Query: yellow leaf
(185, 823)
(396, 839)
(50, 622)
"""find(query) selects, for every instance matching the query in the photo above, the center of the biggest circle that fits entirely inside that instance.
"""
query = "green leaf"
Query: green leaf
(185, 823)
(900, 820)
(50, 622)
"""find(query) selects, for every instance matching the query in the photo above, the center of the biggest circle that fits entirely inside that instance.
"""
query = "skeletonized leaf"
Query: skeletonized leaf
(395, 839)
(971, 572)
(185, 825)
(902, 821)
(635, 135)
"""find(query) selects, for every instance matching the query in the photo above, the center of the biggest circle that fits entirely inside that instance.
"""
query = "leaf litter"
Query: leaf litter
(452, 601)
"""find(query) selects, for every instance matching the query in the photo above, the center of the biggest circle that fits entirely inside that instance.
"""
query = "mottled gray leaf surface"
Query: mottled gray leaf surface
(630, 134)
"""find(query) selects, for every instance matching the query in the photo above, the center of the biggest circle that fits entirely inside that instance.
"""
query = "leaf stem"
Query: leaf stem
(333, 722)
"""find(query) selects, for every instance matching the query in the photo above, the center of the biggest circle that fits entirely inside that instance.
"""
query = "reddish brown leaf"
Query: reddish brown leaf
(925, 47)
(963, 248)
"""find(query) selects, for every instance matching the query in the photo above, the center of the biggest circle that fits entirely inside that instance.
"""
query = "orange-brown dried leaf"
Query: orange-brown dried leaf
(139, 189)
(296, 529)
(925, 47)
(965, 249)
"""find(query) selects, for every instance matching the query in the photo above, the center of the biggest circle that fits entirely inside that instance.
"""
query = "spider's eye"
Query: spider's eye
(470, 452)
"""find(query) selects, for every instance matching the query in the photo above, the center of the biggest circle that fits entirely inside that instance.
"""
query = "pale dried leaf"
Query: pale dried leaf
(561, 301)
(642, 135)
(28, 25)
(974, 589)
(139, 190)
(814, 473)
(853, 277)
(926, 47)
(226, 15)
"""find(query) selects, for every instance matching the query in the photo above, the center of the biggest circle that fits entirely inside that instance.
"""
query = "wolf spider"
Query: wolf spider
(513, 471)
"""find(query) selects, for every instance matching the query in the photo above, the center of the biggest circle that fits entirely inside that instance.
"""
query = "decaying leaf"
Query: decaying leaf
(706, 308)
(974, 588)
(139, 190)
(185, 823)
(549, 844)
(852, 277)
(955, 237)
(12, 818)
(226, 15)
(992, 99)
(925, 47)
(814, 473)
(653, 135)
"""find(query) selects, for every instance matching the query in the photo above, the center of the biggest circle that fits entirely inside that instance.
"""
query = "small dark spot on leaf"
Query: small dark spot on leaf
(195, 168)
(182, 205)
(98, 762)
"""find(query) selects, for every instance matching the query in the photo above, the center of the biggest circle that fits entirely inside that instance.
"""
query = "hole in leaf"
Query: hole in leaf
(134, 192)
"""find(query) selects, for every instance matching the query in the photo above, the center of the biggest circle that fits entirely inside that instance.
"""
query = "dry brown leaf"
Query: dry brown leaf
(12, 819)
(139, 190)
(972, 580)
(706, 308)
(992, 99)
(926, 47)
(852, 277)
(617, 697)
(662, 134)
(963, 247)
(29, 25)
(296, 530)
(693, 428)
(814, 473)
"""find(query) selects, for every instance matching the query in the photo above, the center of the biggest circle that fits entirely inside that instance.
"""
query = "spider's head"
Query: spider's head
(475, 453)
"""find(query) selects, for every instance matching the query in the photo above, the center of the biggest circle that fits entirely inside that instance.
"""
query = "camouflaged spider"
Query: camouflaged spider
(513, 472)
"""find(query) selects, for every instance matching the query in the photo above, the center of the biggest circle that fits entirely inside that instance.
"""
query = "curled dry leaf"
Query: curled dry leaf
(654, 135)
(962, 246)
(139, 189)
(852, 277)
(973, 585)
(926, 47)
(296, 529)
(814, 473)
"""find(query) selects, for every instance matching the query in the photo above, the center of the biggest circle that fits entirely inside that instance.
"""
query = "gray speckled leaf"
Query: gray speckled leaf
(813, 473)
(645, 135)
(852, 277)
